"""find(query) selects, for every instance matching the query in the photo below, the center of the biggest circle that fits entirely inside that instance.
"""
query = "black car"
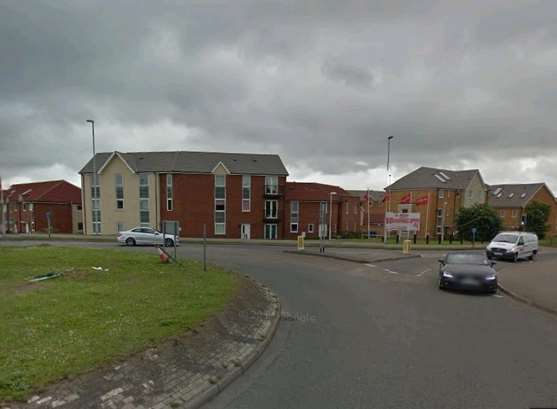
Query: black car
(467, 271)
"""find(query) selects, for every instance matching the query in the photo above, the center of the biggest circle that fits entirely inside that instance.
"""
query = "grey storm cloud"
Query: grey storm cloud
(460, 84)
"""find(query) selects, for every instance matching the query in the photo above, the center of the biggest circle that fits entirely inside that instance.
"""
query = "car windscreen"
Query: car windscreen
(466, 259)
(506, 238)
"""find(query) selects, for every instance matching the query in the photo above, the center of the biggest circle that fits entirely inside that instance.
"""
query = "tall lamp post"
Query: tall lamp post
(331, 194)
(388, 201)
(94, 178)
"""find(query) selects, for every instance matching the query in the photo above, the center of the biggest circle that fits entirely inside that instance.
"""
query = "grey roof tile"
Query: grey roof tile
(425, 177)
(512, 195)
(195, 162)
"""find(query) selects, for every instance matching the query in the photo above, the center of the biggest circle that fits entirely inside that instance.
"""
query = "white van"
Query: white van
(513, 245)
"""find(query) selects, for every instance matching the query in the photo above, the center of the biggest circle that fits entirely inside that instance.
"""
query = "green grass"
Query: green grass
(65, 326)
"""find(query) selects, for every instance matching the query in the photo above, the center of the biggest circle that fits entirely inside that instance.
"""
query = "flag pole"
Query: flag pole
(427, 217)
(368, 213)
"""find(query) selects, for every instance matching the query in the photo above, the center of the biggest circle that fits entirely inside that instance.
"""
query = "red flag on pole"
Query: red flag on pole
(386, 197)
(422, 200)
(405, 199)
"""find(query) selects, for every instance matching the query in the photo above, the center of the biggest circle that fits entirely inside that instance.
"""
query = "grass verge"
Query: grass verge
(65, 326)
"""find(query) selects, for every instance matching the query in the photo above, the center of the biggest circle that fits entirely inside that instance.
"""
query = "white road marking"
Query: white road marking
(390, 271)
(371, 265)
(498, 296)
(423, 272)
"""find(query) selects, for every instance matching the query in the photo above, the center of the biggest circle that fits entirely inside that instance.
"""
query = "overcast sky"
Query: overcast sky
(322, 83)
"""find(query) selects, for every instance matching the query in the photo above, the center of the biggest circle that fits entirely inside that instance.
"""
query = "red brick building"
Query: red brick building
(231, 195)
(28, 206)
(376, 206)
(307, 208)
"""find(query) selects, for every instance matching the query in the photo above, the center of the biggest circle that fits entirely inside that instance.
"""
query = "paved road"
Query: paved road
(383, 336)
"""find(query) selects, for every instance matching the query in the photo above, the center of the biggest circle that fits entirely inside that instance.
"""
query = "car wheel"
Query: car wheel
(130, 241)
(168, 242)
(515, 257)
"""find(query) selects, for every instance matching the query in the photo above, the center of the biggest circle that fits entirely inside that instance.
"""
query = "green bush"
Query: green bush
(537, 215)
(480, 216)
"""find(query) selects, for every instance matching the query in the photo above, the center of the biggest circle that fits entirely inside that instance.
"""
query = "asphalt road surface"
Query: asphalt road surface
(384, 336)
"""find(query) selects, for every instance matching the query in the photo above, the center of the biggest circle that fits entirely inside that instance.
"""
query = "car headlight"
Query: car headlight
(446, 274)
(490, 277)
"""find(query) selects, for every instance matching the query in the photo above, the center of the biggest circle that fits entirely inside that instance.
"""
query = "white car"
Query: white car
(146, 236)
(513, 245)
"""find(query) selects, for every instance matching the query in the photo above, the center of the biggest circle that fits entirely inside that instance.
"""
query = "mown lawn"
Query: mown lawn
(65, 326)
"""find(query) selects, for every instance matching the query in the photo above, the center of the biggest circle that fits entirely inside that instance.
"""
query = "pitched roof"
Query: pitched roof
(512, 195)
(428, 178)
(312, 191)
(194, 162)
(375, 195)
(51, 190)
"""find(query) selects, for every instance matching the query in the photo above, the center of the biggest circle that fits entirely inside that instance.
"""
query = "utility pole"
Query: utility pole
(388, 201)
(2, 211)
(94, 178)
(368, 219)
(331, 194)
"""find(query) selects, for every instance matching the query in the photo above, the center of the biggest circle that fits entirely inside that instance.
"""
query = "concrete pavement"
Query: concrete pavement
(534, 282)
(384, 336)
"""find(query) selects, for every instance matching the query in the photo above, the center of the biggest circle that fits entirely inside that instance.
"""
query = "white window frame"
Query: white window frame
(273, 209)
(144, 201)
(95, 203)
(514, 213)
(502, 213)
(271, 228)
(294, 216)
(271, 185)
(220, 227)
(441, 194)
(246, 188)
(119, 183)
(310, 228)
(169, 192)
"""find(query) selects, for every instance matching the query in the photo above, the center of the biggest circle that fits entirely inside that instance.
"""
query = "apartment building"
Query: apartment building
(510, 201)
(232, 195)
(311, 207)
(437, 195)
(30, 206)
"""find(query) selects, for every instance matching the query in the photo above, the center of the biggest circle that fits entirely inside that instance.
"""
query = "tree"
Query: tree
(480, 216)
(537, 215)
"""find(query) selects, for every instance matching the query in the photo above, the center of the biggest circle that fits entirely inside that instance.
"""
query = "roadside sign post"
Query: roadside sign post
(171, 227)
(204, 247)
(49, 222)
(474, 230)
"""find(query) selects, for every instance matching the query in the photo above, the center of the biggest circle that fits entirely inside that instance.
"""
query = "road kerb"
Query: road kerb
(525, 300)
(354, 259)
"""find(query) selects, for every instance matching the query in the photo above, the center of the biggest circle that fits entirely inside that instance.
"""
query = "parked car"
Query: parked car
(513, 245)
(467, 271)
(147, 236)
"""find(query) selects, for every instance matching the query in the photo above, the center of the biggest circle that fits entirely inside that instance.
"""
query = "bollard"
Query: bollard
(406, 246)
(438, 239)
(397, 239)
(451, 238)
(415, 238)
(427, 238)
(461, 238)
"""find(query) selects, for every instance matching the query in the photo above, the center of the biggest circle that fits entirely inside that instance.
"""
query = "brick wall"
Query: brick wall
(62, 221)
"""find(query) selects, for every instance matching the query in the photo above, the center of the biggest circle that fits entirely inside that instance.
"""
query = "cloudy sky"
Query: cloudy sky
(320, 82)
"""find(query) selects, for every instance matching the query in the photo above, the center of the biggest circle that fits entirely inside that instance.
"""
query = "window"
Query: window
(169, 193)
(119, 185)
(28, 207)
(356, 209)
(440, 220)
(501, 213)
(271, 185)
(310, 228)
(220, 204)
(80, 226)
(246, 193)
(144, 200)
(271, 231)
(271, 209)
(120, 227)
(294, 216)
(441, 194)
(95, 204)
(347, 209)
(323, 228)
(79, 208)
(514, 213)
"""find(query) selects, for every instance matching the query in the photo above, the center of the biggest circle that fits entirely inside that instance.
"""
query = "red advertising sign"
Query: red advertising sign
(406, 198)
(422, 200)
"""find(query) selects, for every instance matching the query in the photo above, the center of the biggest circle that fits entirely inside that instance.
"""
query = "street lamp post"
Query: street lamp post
(94, 178)
(331, 194)
(388, 201)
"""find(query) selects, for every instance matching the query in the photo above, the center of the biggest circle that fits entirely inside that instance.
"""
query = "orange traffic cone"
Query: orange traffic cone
(163, 256)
